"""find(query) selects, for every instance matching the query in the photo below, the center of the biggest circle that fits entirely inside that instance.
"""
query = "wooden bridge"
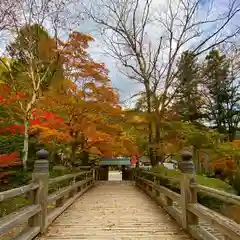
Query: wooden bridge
(83, 207)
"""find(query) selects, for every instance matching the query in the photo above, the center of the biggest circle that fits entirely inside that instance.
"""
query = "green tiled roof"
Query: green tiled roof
(143, 167)
(115, 161)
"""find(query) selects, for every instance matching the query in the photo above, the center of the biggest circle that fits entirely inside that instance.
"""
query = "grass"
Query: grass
(215, 183)
(205, 200)
(205, 181)
(13, 204)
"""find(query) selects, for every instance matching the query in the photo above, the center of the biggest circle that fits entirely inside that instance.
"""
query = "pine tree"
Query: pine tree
(188, 98)
(223, 94)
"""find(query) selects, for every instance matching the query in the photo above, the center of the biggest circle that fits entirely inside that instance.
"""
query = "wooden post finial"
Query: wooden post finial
(41, 165)
(187, 164)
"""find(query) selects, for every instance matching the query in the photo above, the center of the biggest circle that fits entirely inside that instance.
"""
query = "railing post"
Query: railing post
(188, 194)
(97, 174)
(73, 191)
(93, 174)
(40, 175)
(154, 190)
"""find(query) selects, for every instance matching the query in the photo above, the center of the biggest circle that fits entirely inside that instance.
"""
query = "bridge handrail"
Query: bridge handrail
(37, 214)
(67, 176)
(218, 194)
(189, 211)
(170, 179)
(18, 191)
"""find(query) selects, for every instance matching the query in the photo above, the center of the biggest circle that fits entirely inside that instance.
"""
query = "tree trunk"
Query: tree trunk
(196, 159)
(206, 164)
(85, 158)
(231, 134)
(151, 154)
(159, 157)
(25, 144)
(73, 153)
(150, 131)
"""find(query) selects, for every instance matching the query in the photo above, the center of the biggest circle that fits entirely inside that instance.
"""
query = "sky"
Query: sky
(125, 86)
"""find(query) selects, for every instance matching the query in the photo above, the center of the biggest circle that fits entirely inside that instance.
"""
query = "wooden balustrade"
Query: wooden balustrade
(182, 205)
(190, 213)
(37, 214)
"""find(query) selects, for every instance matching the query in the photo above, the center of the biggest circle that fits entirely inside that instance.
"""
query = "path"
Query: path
(116, 211)
(115, 176)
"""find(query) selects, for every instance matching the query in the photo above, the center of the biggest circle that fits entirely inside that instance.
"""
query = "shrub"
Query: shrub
(236, 182)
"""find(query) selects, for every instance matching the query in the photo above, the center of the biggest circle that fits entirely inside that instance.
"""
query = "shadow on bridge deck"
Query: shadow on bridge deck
(114, 211)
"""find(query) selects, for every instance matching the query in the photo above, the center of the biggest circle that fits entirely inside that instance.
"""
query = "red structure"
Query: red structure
(134, 160)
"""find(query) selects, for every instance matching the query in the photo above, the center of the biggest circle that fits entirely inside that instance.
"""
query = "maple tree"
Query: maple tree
(34, 65)
(81, 110)
(87, 104)
(226, 158)
(8, 160)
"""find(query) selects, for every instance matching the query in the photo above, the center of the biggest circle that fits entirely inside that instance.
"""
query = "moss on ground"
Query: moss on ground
(12, 205)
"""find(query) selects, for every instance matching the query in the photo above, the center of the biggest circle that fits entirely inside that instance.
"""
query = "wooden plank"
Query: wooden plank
(175, 213)
(114, 210)
(58, 194)
(150, 183)
(28, 234)
(17, 191)
(61, 178)
(56, 212)
(206, 235)
(194, 231)
(224, 225)
(66, 177)
(13, 219)
(171, 194)
(64, 191)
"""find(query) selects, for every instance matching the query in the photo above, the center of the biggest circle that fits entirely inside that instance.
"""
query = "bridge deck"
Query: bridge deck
(114, 210)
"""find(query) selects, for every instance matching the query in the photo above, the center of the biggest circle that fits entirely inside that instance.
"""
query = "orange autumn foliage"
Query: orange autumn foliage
(236, 143)
(227, 163)
(87, 103)
(50, 127)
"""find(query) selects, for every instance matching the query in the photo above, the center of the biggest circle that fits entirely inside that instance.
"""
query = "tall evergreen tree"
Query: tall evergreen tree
(188, 98)
(222, 94)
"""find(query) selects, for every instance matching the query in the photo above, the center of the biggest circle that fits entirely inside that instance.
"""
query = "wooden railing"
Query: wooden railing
(44, 206)
(201, 222)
